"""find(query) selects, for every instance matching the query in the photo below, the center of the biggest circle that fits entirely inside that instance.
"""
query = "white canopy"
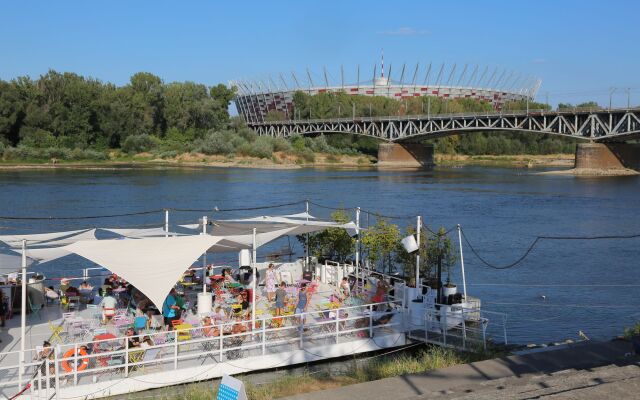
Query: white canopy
(11, 263)
(139, 233)
(265, 224)
(48, 239)
(152, 265)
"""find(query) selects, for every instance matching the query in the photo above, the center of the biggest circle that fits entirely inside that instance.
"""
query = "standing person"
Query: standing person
(270, 282)
(303, 303)
(345, 290)
(170, 309)
(280, 296)
(108, 305)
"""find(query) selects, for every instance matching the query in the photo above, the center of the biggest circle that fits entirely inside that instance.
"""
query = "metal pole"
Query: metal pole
(418, 226)
(253, 284)
(429, 107)
(23, 312)
(357, 236)
(611, 92)
(628, 90)
(306, 250)
(354, 110)
(204, 257)
(464, 279)
(166, 222)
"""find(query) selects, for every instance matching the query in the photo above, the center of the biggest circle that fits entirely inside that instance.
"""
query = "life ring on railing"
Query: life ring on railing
(84, 361)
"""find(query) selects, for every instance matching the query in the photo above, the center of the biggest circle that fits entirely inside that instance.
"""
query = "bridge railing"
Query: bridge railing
(485, 114)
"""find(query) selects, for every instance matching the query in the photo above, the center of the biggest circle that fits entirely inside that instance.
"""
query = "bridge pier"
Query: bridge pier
(405, 155)
(607, 157)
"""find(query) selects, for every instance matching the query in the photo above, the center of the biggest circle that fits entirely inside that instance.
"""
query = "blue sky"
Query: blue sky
(578, 48)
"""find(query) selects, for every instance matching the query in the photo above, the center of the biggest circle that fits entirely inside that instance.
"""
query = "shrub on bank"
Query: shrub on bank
(138, 144)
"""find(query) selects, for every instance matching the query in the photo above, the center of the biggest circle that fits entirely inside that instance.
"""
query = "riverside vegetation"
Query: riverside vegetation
(362, 370)
(65, 117)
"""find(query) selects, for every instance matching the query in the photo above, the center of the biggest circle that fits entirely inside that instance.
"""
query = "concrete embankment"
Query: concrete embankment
(603, 367)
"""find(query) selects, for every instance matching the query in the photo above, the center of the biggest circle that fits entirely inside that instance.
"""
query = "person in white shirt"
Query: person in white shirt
(108, 305)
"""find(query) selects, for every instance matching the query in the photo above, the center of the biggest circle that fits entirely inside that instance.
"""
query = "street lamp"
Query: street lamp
(611, 92)
(628, 91)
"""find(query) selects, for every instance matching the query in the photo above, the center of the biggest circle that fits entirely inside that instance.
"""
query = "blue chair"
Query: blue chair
(140, 323)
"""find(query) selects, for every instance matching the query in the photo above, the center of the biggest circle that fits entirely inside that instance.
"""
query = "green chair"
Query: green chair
(35, 308)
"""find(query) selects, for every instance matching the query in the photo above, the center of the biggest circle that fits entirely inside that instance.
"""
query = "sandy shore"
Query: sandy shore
(592, 172)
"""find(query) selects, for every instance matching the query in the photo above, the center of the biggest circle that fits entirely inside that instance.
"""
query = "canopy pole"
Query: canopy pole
(166, 222)
(204, 257)
(464, 279)
(357, 241)
(306, 250)
(23, 312)
(253, 283)
(418, 226)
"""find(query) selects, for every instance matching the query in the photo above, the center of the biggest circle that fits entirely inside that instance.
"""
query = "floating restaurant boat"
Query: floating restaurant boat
(89, 359)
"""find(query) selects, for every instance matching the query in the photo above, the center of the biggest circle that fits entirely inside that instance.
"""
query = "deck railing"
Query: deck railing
(183, 348)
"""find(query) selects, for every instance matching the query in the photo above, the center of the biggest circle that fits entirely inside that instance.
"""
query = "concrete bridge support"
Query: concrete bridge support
(405, 155)
(607, 156)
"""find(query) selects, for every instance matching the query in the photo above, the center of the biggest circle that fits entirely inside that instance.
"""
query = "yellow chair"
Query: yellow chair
(55, 333)
(184, 332)
(136, 356)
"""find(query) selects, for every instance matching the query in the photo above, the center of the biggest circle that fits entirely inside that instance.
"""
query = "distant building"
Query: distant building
(255, 99)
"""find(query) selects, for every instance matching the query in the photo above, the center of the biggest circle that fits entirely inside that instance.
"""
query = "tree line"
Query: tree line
(69, 111)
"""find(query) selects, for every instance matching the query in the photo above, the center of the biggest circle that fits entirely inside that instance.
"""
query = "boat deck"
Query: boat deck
(191, 355)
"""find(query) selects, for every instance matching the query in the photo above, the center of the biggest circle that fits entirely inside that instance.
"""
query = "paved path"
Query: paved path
(490, 378)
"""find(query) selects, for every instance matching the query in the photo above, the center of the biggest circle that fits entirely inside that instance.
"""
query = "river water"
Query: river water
(588, 285)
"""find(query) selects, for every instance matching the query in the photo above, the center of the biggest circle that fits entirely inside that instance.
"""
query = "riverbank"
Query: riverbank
(520, 161)
(280, 160)
(327, 375)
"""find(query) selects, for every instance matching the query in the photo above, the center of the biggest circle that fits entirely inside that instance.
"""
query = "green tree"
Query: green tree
(380, 241)
(333, 243)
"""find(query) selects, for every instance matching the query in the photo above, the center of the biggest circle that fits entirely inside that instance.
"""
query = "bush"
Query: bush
(138, 144)
(306, 155)
(281, 144)
(262, 147)
(216, 143)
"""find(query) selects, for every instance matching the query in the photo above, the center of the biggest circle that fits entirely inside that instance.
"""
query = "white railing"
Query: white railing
(183, 348)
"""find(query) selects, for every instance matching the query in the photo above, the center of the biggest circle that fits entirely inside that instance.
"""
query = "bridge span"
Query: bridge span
(596, 125)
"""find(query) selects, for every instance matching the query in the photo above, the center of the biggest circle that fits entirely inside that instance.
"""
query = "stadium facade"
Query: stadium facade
(256, 98)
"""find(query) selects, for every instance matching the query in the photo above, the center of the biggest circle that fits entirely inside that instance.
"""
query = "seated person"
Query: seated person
(238, 306)
(134, 341)
(85, 286)
(64, 285)
(227, 276)
(108, 305)
(208, 328)
(46, 353)
(219, 314)
(50, 293)
(146, 342)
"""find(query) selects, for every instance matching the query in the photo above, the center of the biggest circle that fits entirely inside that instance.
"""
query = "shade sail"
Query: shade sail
(139, 233)
(264, 224)
(11, 263)
(48, 239)
(152, 265)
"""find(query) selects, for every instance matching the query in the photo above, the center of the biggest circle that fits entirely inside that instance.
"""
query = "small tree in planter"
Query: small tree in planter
(380, 241)
(439, 246)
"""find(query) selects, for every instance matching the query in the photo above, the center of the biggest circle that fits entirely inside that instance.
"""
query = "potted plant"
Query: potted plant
(633, 334)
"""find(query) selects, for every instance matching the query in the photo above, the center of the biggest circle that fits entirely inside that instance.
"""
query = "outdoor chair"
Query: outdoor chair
(135, 356)
(73, 302)
(56, 331)
(149, 356)
(208, 348)
(140, 323)
(157, 321)
(35, 308)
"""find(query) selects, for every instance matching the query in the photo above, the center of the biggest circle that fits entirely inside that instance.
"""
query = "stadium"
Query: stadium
(256, 98)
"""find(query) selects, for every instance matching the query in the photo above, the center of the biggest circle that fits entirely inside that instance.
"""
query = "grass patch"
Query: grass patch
(403, 363)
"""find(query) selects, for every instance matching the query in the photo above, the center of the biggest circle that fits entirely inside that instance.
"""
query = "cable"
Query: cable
(82, 217)
(538, 239)
(237, 209)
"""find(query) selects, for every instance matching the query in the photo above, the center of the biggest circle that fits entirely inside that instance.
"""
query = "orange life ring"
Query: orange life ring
(84, 362)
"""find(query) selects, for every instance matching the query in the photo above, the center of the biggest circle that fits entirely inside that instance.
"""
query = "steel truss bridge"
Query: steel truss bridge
(598, 125)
